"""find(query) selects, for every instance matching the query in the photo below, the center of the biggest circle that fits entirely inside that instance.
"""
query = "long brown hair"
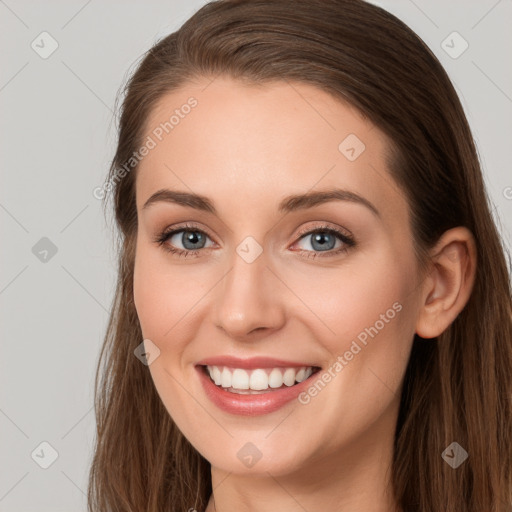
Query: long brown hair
(458, 387)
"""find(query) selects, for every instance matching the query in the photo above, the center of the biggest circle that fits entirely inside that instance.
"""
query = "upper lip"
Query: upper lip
(251, 362)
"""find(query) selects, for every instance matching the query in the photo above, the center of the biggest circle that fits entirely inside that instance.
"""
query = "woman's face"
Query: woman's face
(257, 283)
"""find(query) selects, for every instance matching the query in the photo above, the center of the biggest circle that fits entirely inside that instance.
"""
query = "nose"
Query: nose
(248, 299)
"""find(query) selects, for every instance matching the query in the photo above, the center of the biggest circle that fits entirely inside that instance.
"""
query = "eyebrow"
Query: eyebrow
(288, 204)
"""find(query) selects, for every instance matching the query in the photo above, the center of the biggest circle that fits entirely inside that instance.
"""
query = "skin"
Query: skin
(246, 148)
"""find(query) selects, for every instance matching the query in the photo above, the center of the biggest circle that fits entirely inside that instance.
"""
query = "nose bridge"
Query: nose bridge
(246, 299)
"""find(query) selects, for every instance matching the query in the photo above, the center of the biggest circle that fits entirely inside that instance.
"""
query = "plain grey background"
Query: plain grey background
(58, 137)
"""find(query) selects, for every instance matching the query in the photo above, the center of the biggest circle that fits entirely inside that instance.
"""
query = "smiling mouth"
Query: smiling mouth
(259, 380)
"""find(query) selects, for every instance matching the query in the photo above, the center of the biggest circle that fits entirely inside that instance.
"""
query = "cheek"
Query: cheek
(367, 325)
(363, 317)
(374, 325)
(162, 303)
(163, 293)
(156, 303)
(149, 295)
(341, 303)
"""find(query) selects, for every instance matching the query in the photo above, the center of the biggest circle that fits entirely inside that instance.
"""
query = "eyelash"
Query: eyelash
(348, 241)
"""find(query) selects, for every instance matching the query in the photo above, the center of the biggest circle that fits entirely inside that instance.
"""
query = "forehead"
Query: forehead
(260, 140)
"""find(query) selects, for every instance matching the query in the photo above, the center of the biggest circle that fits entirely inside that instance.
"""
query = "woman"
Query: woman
(313, 309)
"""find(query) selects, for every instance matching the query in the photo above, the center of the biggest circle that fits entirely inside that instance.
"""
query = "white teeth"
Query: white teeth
(216, 376)
(225, 378)
(259, 379)
(309, 371)
(300, 375)
(240, 379)
(289, 377)
(275, 379)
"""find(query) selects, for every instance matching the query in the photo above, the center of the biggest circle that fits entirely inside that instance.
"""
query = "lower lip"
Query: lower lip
(250, 405)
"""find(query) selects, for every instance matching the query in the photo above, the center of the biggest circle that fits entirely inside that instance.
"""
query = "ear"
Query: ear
(449, 283)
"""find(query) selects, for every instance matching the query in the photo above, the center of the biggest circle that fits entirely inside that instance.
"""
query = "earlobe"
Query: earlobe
(448, 286)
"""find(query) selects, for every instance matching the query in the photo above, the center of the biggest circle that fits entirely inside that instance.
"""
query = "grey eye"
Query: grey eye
(320, 241)
(190, 239)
